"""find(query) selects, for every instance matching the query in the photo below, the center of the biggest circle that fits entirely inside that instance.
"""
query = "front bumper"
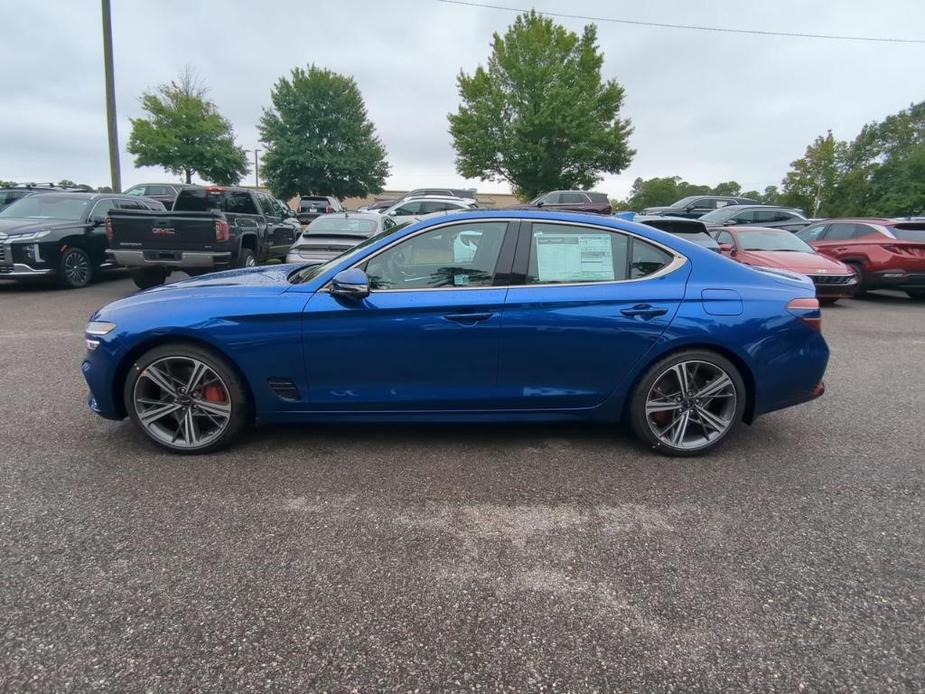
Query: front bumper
(896, 279)
(835, 286)
(23, 270)
(180, 259)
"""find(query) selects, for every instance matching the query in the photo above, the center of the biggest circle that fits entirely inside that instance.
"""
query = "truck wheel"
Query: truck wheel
(148, 277)
(916, 294)
(246, 258)
(75, 269)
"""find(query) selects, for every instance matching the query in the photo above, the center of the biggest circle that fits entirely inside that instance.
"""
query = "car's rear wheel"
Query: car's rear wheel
(916, 294)
(688, 403)
(186, 399)
(75, 269)
(147, 277)
(246, 258)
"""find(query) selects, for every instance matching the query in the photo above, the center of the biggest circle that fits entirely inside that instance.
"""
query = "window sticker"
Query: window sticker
(574, 257)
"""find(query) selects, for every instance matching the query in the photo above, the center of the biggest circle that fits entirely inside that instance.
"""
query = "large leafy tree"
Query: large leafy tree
(184, 133)
(319, 139)
(813, 180)
(541, 116)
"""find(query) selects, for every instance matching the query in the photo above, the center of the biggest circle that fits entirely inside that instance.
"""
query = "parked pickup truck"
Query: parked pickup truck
(214, 227)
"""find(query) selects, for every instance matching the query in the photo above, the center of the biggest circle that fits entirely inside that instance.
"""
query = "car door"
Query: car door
(585, 305)
(836, 241)
(95, 235)
(426, 338)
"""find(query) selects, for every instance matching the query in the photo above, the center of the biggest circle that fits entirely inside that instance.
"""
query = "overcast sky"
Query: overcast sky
(705, 106)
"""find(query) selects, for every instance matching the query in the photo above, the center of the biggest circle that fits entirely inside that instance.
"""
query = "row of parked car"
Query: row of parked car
(72, 235)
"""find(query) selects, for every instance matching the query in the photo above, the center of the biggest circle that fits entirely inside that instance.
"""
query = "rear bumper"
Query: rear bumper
(895, 279)
(181, 259)
(297, 256)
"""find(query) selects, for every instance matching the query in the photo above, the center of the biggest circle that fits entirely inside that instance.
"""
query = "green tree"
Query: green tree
(731, 188)
(812, 182)
(540, 116)
(185, 134)
(885, 165)
(660, 192)
(319, 138)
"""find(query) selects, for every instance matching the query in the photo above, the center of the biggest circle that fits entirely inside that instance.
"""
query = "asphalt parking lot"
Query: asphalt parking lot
(442, 558)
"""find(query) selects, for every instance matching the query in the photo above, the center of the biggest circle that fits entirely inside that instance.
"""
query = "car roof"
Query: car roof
(860, 220)
(746, 227)
(431, 198)
(347, 215)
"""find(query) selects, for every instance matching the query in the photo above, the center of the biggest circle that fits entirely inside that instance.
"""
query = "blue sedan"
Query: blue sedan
(483, 316)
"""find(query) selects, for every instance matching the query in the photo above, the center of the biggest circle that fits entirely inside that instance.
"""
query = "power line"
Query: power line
(665, 25)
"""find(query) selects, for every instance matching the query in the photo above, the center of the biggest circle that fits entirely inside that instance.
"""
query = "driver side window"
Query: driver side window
(102, 209)
(457, 256)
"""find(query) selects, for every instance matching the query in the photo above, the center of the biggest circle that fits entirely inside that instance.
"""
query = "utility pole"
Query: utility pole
(257, 168)
(111, 100)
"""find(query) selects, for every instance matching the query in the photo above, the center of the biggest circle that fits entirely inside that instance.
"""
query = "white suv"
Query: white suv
(412, 209)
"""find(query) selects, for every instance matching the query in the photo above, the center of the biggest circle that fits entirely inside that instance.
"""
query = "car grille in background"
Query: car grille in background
(284, 388)
(831, 279)
(2, 252)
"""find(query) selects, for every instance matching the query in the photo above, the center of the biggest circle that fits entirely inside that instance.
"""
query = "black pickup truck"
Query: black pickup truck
(209, 228)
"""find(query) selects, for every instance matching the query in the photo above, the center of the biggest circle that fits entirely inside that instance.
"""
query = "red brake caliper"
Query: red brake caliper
(213, 393)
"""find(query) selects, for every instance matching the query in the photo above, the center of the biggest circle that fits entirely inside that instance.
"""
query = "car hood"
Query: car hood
(14, 226)
(805, 263)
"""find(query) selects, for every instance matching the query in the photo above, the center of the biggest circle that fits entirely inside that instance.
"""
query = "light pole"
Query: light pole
(114, 168)
(257, 167)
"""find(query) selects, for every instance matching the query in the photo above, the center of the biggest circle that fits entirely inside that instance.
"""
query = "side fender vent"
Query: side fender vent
(284, 388)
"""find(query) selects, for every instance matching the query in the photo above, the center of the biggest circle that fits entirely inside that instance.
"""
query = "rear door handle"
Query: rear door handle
(468, 318)
(644, 311)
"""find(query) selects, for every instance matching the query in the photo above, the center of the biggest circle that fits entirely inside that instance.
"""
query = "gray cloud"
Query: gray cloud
(705, 106)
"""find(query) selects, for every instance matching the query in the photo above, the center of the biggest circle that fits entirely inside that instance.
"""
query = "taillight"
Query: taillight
(222, 231)
(807, 310)
(108, 225)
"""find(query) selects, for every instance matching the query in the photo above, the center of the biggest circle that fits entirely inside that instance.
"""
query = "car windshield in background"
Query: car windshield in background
(683, 202)
(761, 240)
(47, 206)
(719, 216)
(306, 274)
(340, 224)
(910, 233)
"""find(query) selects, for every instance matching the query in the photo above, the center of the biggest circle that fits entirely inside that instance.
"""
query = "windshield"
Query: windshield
(769, 240)
(684, 202)
(312, 271)
(720, 215)
(47, 206)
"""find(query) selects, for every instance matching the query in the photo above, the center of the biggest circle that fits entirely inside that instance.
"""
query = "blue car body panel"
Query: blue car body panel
(499, 353)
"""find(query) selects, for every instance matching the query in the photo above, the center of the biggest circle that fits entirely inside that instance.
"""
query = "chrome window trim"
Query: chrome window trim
(678, 260)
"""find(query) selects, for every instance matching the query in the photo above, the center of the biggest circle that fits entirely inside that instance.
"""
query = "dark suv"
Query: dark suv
(571, 201)
(61, 235)
(10, 195)
(756, 215)
(162, 192)
(695, 206)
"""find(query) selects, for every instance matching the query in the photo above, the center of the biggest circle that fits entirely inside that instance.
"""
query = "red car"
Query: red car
(780, 249)
(885, 253)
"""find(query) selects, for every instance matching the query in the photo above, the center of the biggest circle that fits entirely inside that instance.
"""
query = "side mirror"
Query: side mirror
(540, 203)
(350, 284)
(725, 247)
(97, 222)
(729, 223)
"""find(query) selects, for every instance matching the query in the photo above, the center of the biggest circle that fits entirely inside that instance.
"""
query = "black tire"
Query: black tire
(147, 277)
(916, 294)
(639, 420)
(856, 267)
(828, 301)
(237, 398)
(246, 258)
(75, 269)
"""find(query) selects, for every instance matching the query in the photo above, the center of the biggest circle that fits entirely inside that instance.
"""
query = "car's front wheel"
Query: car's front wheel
(186, 399)
(75, 269)
(688, 403)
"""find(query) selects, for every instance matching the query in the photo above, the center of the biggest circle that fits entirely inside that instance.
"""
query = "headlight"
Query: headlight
(30, 236)
(99, 328)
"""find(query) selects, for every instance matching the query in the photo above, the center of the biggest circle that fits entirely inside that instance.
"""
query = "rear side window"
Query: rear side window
(562, 254)
(811, 233)
(572, 198)
(646, 259)
(599, 197)
(205, 199)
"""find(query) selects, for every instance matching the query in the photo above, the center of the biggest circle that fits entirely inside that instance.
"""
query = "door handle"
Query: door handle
(841, 249)
(644, 311)
(468, 318)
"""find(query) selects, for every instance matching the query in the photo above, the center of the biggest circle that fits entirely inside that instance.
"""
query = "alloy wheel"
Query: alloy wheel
(691, 404)
(182, 402)
(250, 262)
(77, 268)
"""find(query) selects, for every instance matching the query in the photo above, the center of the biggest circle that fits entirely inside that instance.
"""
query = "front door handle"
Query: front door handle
(468, 318)
(644, 311)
